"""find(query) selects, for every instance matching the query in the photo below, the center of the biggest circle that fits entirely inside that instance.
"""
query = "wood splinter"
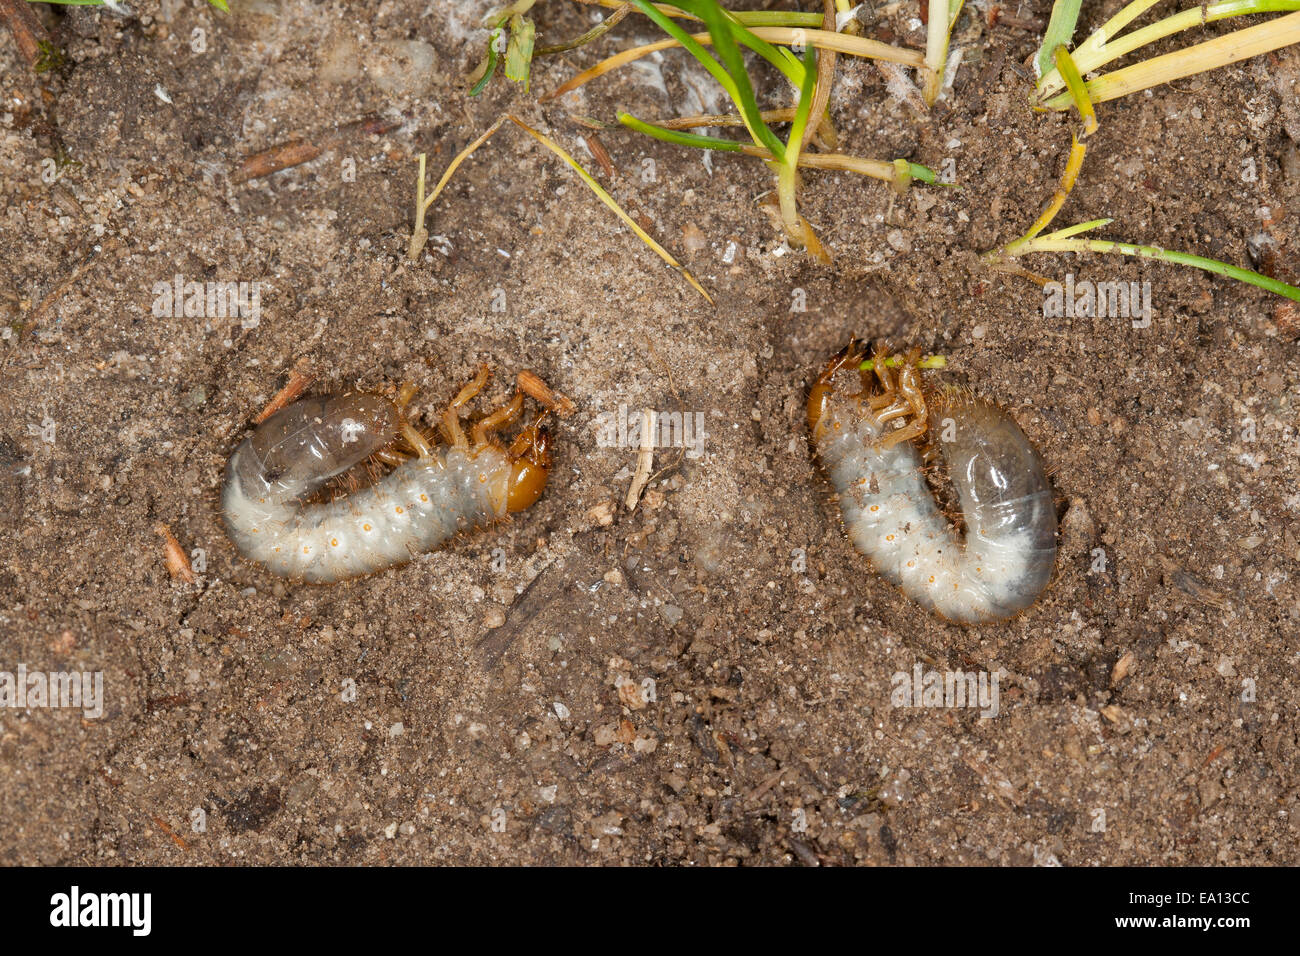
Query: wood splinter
(174, 556)
(299, 151)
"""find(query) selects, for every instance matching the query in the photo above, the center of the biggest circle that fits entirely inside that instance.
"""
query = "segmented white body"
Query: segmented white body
(416, 508)
(891, 516)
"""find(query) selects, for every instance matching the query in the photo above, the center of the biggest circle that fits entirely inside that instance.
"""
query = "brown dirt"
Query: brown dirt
(771, 738)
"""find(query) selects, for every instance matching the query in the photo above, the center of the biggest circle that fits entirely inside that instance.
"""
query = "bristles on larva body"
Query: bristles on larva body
(420, 505)
(1006, 557)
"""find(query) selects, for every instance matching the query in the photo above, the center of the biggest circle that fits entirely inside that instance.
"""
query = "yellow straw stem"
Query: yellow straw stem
(1097, 41)
(1210, 55)
(875, 168)
(786, 36)
(1077, 151)
(1078, 89)
(420, 233)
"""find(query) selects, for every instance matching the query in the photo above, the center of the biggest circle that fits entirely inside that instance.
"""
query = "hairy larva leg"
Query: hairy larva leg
(409, 435)
(388, 456)
(880, 365)
(911, 401)
(404, 395)
(503, 417)
(451, 427)
(413, 437)
(530, 384)
(472, 388)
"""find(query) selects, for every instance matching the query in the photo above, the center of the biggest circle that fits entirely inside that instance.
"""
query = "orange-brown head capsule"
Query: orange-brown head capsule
(818, 400)
(819, 396)
(530, 465)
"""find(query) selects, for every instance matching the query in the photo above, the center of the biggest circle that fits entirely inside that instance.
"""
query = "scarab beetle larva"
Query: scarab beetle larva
(1004, 560)
(432, 493)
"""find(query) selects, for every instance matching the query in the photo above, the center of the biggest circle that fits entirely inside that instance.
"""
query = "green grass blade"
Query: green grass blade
(1069, 231)
(519, 53)
(1060, 31)
(804, 106)
(665, 23)
(780, 57)
(926, 175)
(1048, 244)
(776, 18)
(480, 77)
(733, 62)
(1077, 88)
(677, 137)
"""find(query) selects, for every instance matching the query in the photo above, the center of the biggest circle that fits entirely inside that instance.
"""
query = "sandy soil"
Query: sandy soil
(488, 724)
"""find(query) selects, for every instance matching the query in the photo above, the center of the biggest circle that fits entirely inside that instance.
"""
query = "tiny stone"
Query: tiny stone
(671, 613)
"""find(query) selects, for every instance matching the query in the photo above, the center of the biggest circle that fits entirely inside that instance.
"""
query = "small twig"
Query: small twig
(37, 315)
(27, 31)
(599, 153)
(300, 379)
(299, 151)
(645, 460)
(825, 77)
(681, 409)
(174, 556)
(601, 28)
(162, 825)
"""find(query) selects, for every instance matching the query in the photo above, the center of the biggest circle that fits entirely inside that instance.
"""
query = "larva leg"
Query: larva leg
(451, 428)
(528, 384)
(404, 396)
(472, 388)
(388, 456)
(413, 437)
(902, 398)
(913, 429)
(501, 418)
(880, 365)
(408, 433)
(887, 405)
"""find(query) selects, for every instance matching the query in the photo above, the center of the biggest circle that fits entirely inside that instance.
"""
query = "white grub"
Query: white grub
(1005, 558)
(421, 504)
